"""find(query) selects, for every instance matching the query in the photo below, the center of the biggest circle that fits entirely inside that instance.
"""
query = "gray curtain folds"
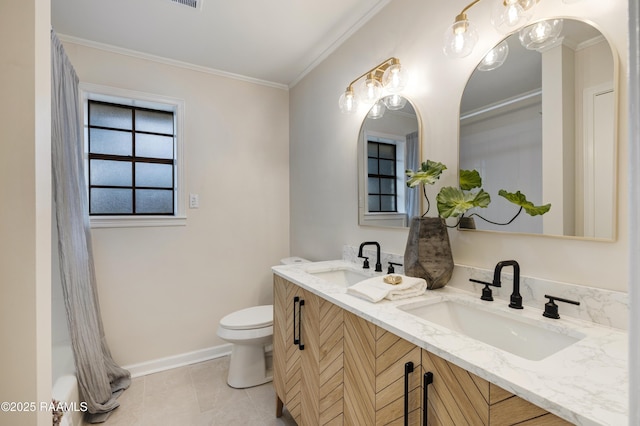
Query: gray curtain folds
(100, 379)
(412, 198)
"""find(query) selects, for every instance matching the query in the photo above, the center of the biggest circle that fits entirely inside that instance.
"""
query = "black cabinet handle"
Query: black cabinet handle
(295, 302)
(300, 305)
(408, 368)
(428, 379)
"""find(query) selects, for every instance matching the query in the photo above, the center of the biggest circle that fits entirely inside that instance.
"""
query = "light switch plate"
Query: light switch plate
(194, 201)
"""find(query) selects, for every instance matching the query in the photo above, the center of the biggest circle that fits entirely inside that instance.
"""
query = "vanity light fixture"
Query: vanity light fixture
(388, 76)
(461, 37)
(495, 57)
(541, 34)
(377, 110)
(509, 15)
(394, 101)
(371, 90)
(506, 16)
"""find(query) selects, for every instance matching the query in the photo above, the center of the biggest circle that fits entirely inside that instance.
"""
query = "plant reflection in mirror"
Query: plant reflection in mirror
(456, 201)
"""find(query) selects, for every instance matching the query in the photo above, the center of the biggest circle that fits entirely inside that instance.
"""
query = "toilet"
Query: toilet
(250, 331)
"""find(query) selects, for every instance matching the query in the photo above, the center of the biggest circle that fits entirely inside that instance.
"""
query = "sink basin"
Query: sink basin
(516, 335)
(344, 277)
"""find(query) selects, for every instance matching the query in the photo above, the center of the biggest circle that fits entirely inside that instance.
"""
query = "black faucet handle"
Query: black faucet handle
(486, 291)
(365, 264)
(391, 269)
(551, 309)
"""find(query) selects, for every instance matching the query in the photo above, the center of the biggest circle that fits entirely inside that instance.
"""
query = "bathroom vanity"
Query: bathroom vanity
(342, 360)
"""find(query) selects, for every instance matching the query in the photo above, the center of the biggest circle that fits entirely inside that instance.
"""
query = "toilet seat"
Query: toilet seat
(249, 318)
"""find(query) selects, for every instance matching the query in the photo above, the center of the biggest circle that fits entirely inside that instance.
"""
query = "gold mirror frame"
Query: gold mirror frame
(579, 213)
(392, 128)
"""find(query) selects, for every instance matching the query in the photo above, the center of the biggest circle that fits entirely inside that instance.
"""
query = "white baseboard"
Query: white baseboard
(180, 360)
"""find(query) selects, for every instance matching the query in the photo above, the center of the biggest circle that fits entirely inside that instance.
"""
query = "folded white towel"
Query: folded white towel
(375, 289)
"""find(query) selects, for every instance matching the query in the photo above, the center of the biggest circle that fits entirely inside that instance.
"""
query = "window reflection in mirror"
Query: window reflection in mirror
(388, 144)
(544, 123)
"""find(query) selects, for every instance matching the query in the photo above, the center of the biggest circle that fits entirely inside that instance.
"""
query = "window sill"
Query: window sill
(136, 221)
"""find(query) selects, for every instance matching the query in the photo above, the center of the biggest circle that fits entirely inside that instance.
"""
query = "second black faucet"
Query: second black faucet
(516, 300)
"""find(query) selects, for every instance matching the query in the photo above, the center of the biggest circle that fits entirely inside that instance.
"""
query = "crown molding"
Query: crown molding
(166, 61)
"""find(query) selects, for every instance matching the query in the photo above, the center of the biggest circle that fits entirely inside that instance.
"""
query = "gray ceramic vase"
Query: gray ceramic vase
(428, 251)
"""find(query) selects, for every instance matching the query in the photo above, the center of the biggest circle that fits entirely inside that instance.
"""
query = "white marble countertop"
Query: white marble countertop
(585, 383)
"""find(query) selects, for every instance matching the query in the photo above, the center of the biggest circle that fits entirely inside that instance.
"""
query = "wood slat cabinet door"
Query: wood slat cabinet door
(308, 375)
(457, 398)
(374, 376)
(286, 353)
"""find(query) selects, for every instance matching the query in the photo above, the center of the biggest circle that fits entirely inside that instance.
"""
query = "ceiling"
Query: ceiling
(276, 42)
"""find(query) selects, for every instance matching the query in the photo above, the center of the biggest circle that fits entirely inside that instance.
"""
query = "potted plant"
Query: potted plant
(428, 251)
(455, 202)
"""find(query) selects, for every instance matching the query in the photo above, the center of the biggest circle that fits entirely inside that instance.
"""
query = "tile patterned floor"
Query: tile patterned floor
(196, 395)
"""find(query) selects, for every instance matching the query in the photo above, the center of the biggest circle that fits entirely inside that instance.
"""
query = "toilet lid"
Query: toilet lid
(254, 317)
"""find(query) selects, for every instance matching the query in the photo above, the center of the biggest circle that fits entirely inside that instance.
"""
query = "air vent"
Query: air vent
(194, 4)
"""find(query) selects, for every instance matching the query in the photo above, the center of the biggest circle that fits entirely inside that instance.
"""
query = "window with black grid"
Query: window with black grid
(131, 160)
(381, 175)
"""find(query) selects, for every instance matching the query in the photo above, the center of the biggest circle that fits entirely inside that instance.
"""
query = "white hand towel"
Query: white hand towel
(375, 289)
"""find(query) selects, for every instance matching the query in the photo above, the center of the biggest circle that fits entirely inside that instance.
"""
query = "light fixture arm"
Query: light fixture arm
(462, 16)
(377, 71)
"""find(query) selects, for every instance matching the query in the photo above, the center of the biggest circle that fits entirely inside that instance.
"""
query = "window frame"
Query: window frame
(400, 142)
(379, 176)
(148, 101)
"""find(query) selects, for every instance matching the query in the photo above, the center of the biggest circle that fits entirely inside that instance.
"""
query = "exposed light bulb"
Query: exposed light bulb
(540, 31)
(509, 15)
(348, 102)
(370, 90)
(460, 38)
(512, 13)
(376, 111)
(394, 78)
(394, 101)
(495, 57)
(541, 34)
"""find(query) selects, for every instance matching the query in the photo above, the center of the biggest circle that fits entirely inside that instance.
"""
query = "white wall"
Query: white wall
(324, 204)
(25, 211)
(163, 290)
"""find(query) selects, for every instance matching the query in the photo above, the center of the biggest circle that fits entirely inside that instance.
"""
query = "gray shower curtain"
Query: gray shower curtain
(101, 381)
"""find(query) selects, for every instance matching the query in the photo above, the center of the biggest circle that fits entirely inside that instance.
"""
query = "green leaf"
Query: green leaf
(520, 199)
(470, 179)
(428, 174)
(452, 202)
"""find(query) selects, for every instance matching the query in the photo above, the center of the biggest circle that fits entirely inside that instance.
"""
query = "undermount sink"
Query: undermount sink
(518, 336)
(345, 277)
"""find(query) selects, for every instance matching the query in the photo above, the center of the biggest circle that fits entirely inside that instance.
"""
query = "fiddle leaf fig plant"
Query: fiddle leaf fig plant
(456, 201)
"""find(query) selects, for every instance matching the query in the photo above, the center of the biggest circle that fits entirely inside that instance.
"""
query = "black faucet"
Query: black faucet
(516, 299)
(366, 259)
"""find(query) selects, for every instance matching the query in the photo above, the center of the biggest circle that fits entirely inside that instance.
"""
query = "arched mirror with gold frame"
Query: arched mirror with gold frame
(387, 146)
(544, 123)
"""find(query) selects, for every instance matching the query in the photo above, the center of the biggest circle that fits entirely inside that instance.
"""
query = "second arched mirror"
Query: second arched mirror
(389, 143)
(544, 122)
